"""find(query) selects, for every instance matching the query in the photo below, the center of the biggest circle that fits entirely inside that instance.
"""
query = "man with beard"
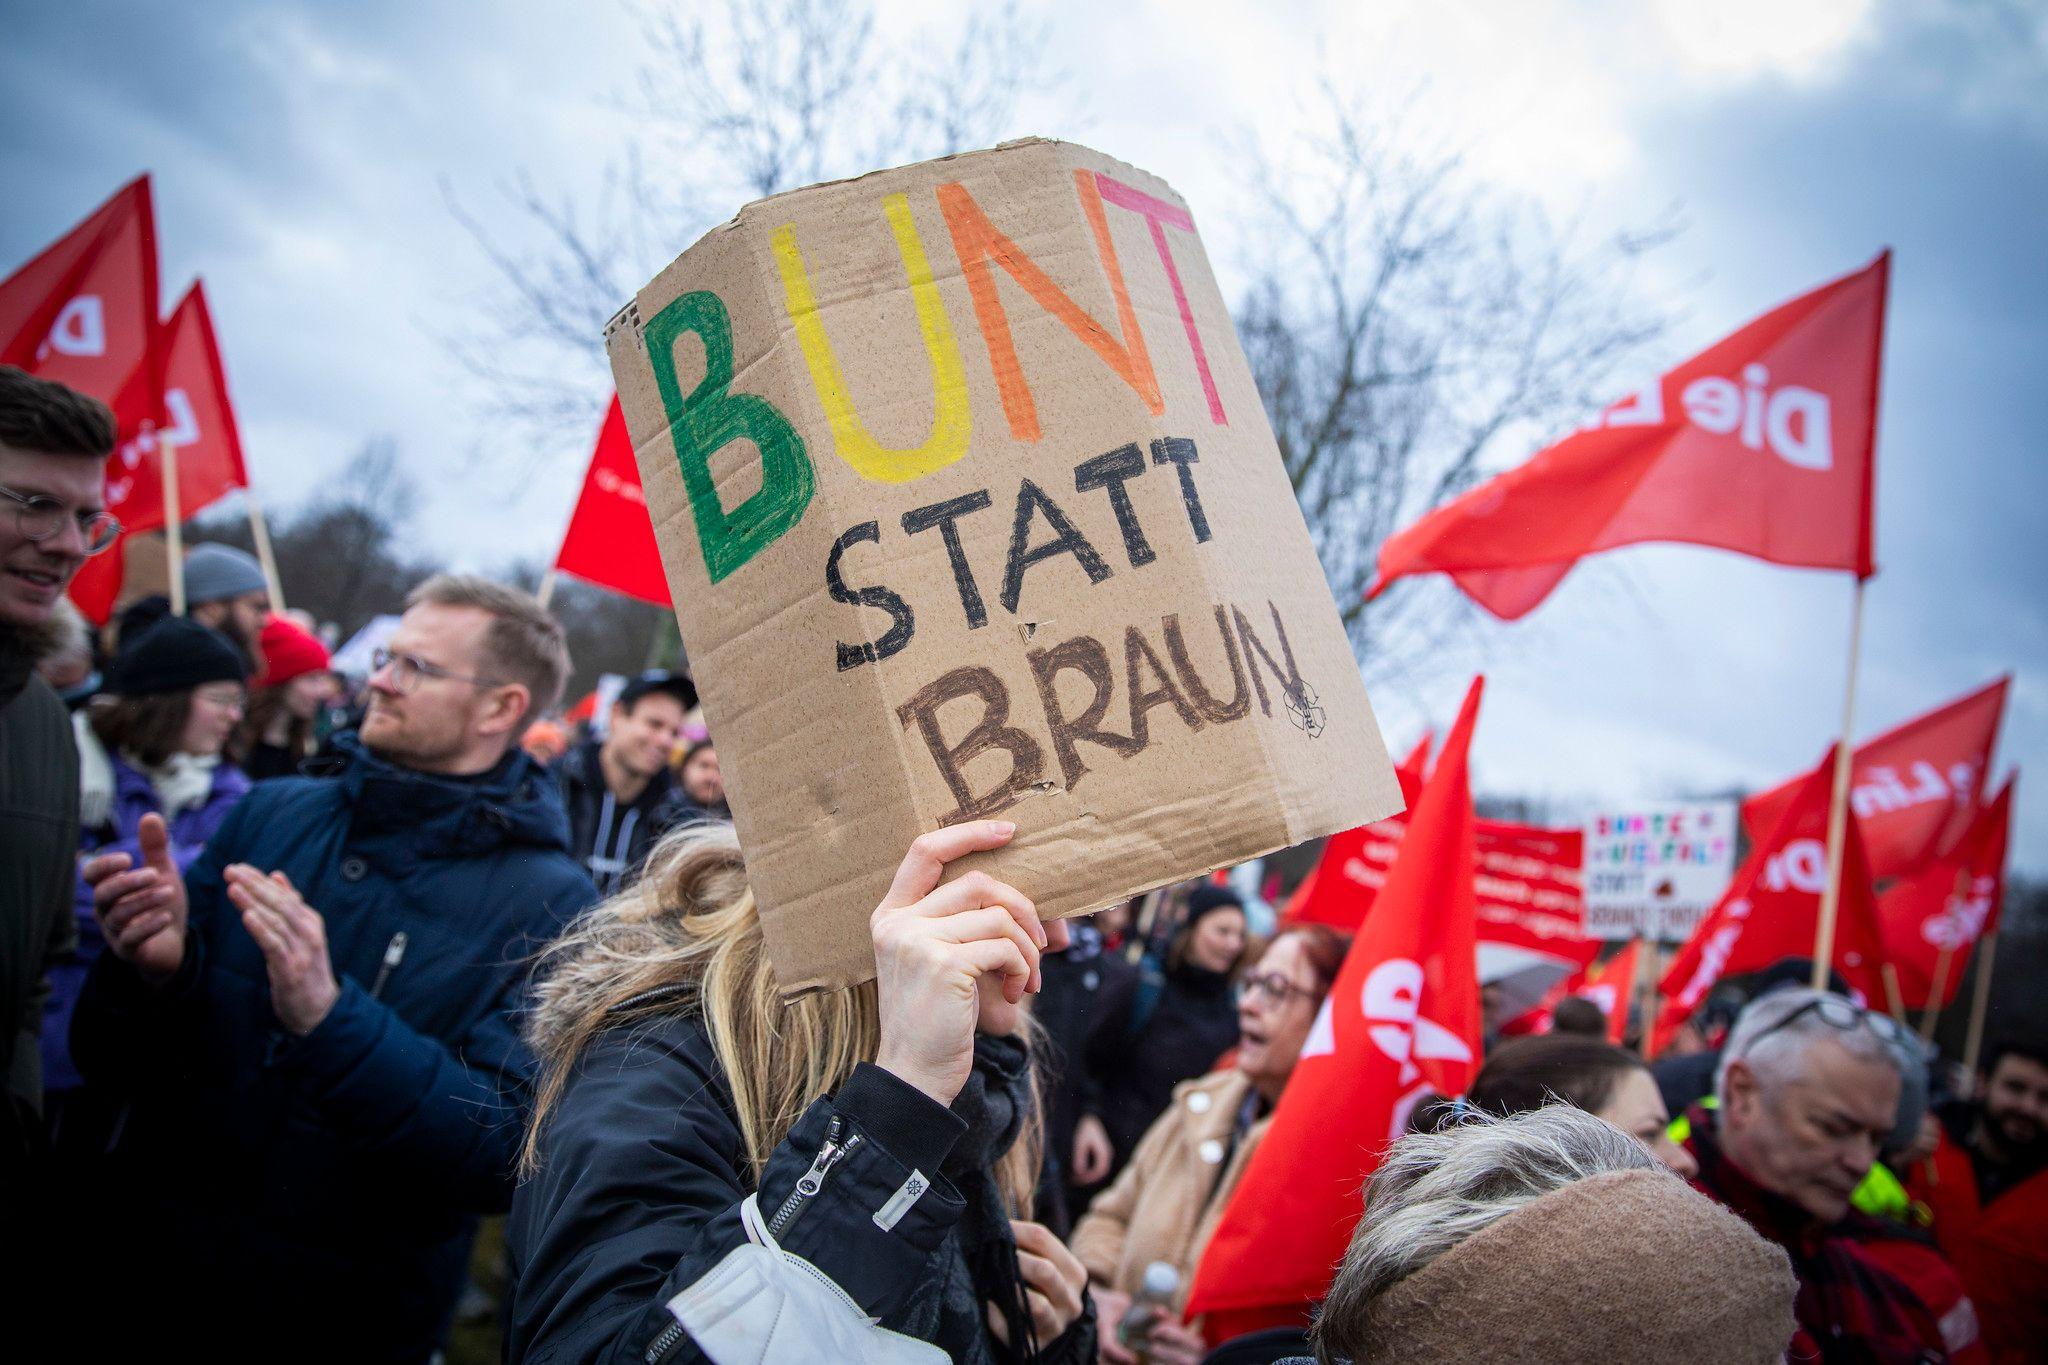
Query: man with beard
(1989, 1146)
(620, 792)
(224, 590)
(313, 1029)
(54, 443)
(1993, 1211)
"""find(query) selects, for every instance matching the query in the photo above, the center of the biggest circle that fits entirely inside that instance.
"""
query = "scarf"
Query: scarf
(977, 1263)
(181, 782)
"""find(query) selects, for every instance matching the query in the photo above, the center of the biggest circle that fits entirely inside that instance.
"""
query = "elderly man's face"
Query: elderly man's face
(1811, 1134)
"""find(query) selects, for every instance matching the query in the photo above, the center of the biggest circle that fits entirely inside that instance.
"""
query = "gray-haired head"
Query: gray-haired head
(1775, 1034)
(1434, 1190)
(1548, 1236)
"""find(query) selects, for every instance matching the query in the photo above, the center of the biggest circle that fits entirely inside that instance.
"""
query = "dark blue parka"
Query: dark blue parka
(327, 1187)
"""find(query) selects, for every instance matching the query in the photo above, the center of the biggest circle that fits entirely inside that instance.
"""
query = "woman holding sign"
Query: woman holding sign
(887, 1134)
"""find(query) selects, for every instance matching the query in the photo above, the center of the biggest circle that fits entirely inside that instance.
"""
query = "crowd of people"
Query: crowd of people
(303, 978)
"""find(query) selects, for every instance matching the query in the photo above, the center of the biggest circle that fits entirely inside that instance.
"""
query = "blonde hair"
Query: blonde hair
(523, 641)
(686, 938)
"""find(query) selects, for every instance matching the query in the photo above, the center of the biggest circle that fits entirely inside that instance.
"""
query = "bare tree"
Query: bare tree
(1406, 327)
(345, 556)
(734, 102)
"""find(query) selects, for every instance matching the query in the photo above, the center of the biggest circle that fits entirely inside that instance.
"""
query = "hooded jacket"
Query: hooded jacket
(323, 1190)
(642, 1173)
(189, 829)
(610, 841)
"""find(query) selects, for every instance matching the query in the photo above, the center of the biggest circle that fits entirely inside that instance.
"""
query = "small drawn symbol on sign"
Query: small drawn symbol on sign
(1302, 708)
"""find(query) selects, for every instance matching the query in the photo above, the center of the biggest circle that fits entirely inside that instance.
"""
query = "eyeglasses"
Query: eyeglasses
(407, 670)
(222, 694)
(1845, 1015)
(1273, 986)
(41, 517)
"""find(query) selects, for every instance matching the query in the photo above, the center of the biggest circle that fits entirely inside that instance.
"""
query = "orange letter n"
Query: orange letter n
(976, 241)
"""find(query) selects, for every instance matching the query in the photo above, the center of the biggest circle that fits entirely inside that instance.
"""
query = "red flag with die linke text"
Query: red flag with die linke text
(1916, 787)
(194, 411)
(1400, 1022)
(610, 540)
(1763, 444)
(1771, 911)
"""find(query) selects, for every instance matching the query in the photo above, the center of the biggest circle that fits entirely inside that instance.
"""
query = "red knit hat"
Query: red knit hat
(288, 652)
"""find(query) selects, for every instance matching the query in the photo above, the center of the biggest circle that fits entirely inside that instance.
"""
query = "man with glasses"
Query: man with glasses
(314, 1028)
(54, 444)
(1807, 1094)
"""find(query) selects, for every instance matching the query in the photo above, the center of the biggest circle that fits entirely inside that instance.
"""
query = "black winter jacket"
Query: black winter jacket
(1132, 1072)
(639, 1192)
(314, 1198)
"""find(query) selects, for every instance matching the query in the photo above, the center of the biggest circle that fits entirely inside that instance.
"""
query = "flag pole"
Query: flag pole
(259, 531)
(546, 591)
(1894, 999)
(174, 530)
(1942, 962)
(1838, 806)
(1973, 1043)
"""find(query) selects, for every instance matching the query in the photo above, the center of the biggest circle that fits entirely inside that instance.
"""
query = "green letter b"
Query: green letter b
(709, 419)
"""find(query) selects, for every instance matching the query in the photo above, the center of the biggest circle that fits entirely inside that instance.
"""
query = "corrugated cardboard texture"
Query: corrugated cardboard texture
(977, 466)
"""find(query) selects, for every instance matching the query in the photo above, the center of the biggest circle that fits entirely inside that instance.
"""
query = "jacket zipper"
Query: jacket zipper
(394, 953)
(831, 1154)
(813, 1180)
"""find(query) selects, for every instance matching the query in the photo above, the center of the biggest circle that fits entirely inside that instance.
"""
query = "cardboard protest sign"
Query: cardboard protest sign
(969, 509)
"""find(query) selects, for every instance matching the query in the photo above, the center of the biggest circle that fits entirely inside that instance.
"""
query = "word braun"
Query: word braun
(1147, 684)
(711, 416)
(1110, 472)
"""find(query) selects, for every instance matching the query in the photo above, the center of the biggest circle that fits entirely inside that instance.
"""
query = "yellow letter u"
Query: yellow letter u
(951, 421)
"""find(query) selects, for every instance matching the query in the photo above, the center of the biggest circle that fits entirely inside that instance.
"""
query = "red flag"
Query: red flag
(1771, 910)
(610, 540)
(1762, 444)
(1607, 985)
(1401, 1020)
(196, 413)
(84, 311)
(1924, 915)
(1916, 787)
(1340, 888)
(1615, 988)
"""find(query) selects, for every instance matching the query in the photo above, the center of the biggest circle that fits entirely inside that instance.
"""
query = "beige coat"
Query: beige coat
(1160, 1208)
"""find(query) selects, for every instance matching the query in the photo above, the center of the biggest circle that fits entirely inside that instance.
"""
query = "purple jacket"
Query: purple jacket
(134, 798)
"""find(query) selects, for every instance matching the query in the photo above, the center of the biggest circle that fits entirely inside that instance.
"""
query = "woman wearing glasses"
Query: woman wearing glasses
(1166, 1203)
(151, 746)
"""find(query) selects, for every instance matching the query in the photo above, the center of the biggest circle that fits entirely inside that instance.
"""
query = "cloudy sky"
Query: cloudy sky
(301, 154)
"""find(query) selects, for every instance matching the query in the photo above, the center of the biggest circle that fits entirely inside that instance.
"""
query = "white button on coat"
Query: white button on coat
(1211, 1151)
(1198, 1103)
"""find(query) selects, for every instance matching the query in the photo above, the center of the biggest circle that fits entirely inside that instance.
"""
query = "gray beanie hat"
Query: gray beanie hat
(214, 572)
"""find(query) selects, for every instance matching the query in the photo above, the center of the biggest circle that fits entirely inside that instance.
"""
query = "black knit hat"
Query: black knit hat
(173, 655)
(1210, 897)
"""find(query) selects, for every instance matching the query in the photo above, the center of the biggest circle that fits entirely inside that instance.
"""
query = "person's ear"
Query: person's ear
(1741, 1093)
(505, 709)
